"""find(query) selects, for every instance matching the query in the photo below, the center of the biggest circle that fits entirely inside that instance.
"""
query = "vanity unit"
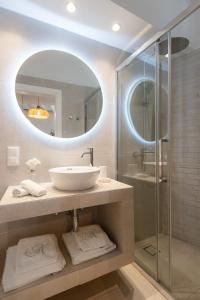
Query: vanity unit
(108, 204)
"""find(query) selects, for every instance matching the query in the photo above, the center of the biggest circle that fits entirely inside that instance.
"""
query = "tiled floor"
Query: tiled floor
(107, 287)
(185, 261)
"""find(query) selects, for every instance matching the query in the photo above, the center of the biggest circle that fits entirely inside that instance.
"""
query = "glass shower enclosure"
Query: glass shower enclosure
(159, 153)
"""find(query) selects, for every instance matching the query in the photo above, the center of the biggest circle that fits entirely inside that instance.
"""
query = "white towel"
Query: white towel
(19, 192)
(12, 280)
(77, 255)
(33, 163)
(36, 252)
(91, 237)
(33, 188)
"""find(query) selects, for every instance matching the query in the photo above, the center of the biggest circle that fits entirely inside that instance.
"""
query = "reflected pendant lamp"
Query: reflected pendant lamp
(38, 112)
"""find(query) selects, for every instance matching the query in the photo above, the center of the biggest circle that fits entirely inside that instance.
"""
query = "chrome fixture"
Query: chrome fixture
(75, 220)
(91, 153)
(178, 44)
(148, 152)
(74, 215)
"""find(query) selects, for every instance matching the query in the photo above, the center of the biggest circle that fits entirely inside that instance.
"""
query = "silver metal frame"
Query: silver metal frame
(169, 160)
(157, 151)
(186, 13)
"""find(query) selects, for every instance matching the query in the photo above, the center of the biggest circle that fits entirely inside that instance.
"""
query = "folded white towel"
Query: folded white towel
(91, 237)
(77, 255)
(36, 252)
(12, 280)
(19, 192)
(33, 188)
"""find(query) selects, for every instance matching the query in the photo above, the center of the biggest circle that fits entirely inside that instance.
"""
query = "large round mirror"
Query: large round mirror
(59, 94)
(141, 108)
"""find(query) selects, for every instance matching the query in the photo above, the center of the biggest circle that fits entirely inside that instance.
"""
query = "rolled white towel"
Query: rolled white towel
(19, 192)
(33, 188)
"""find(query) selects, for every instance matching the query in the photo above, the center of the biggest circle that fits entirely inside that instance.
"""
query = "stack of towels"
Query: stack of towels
(29, 187)
(88, 243)
(31, 259)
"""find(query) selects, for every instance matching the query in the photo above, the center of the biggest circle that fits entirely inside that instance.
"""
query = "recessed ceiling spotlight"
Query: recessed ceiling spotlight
(71, 7)
(116, 27)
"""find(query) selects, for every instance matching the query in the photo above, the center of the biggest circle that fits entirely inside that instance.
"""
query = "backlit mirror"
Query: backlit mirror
(59, 94)
(142, 110)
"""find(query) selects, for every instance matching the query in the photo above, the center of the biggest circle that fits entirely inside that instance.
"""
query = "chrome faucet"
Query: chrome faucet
(91, 153)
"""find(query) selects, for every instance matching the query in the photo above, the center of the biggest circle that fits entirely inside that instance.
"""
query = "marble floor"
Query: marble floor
(185, 262)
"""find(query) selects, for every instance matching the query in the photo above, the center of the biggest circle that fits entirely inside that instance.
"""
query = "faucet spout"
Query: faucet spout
(90, 152)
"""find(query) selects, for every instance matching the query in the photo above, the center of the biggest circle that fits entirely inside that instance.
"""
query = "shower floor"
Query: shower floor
(185, 261)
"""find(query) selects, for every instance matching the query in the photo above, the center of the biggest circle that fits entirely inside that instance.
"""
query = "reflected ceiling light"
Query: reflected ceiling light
(71, 7)
(116, 27)
(38, 112)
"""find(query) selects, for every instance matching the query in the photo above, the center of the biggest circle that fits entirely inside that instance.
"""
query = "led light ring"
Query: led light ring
(128, 115)
(40, 134)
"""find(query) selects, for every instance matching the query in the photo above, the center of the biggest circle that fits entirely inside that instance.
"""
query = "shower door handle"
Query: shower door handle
(163, 179)
(162, 163)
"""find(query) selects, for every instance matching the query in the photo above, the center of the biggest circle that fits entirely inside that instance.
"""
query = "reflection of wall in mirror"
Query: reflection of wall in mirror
(142, 109)
(73, 118)
(93, 107)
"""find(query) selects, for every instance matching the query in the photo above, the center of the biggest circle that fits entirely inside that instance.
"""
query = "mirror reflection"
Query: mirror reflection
(59, 94)
(142, 110)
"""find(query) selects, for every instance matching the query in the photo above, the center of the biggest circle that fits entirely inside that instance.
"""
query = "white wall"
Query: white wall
(21, 37)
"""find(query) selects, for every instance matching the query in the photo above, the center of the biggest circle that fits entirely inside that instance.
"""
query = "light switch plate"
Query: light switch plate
(13, 156)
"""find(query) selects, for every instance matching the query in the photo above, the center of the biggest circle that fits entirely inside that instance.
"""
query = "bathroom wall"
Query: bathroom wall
(21, 37)
(186, 147)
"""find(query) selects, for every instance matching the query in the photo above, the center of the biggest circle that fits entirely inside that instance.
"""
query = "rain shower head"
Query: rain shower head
(178, 44)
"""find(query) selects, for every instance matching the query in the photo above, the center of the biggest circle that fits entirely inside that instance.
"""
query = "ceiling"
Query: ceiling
(157, 12)
(139, 19)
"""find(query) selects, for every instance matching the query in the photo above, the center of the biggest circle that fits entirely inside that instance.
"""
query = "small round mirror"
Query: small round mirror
(59, 94)
(141, 110)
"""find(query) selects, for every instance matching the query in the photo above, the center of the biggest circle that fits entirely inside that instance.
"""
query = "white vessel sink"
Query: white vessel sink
(74, 178)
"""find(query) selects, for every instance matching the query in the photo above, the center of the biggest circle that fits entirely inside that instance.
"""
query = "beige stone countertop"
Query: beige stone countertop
(14, 208)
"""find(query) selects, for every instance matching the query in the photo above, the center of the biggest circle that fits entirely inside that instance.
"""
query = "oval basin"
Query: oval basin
(74, 178)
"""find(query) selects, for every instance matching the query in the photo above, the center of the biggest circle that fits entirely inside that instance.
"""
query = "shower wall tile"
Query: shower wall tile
(185, 150)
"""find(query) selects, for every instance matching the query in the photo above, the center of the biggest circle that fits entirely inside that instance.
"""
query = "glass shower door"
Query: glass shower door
(158, 154)
(163, 104)
(185, 153)
(143, 154)
(137, 151)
